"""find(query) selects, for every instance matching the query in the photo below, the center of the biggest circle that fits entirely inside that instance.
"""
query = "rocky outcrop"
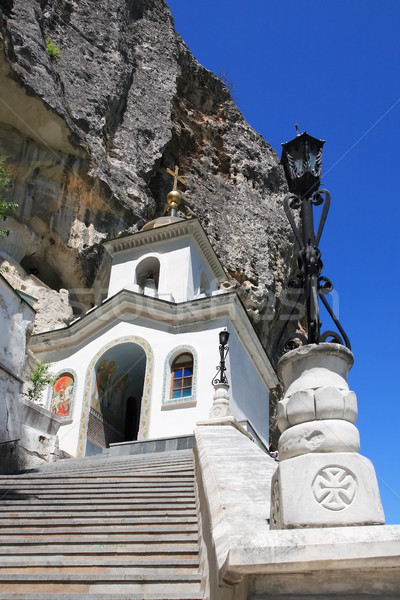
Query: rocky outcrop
(90, 134)
(53, 308)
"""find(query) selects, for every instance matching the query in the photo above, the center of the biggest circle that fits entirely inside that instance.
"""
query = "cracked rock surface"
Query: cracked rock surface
(90, 134)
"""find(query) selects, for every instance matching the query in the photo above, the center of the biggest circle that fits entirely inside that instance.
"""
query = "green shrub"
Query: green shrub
(40, 378)
(52, 51)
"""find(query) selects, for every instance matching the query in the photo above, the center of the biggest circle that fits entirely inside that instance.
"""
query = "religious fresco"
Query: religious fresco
(62, 395)
(109, 393)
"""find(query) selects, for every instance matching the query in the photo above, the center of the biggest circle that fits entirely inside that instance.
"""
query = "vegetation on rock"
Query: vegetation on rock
(5, 207)
(52, 51)
(39, 379)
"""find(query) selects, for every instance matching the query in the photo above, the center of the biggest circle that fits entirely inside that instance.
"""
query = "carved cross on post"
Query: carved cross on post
(176, 178)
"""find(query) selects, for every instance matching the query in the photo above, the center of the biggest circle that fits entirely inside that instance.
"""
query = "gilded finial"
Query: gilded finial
(174, 196)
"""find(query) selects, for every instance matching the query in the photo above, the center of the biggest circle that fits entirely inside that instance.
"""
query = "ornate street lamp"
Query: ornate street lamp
(302, 163)
(220, 376)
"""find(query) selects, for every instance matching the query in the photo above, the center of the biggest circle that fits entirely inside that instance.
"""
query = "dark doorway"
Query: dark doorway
(132, 419)
(115, 406)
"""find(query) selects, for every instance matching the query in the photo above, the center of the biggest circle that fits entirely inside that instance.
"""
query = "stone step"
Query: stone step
(103, 469)
(109, 470)
(133, 587)
(103, 498)
(109, 592)
(23, 519)
(93, 576)
(125, 525)
(155, 536)
(72, 549)
(80, 504)
(92, 491)
(41, 517)
(121, 545)
(95, 567)
(189, 595)
(101, 529)
(92, 530)
(123, 502)
(15, 487)
(103, 483)
(143, 524)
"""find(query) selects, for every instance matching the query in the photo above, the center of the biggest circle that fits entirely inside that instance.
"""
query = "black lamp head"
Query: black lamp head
(223, 337)
(302, 162)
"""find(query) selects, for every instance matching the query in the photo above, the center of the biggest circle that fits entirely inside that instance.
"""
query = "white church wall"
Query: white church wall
(166, 420)
(249, 394)
(16, 323)
(197, 268)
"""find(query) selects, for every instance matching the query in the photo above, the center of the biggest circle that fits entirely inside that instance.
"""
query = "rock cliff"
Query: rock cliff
(90, 134)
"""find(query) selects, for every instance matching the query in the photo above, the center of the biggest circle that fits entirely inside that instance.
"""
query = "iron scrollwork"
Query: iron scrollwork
(220, 376)
(308, 284)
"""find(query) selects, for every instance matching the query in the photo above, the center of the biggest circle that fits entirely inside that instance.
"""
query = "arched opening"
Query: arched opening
(204, 285)
(147, 272)
(115, 403)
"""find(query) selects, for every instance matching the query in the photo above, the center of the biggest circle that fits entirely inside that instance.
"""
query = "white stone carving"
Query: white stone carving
(283, 423)
(329, 403)
(220, 407)
(331, 435)
(299, 489)
(316, 417)
(303, 368)
(334, 487)
(350, 407)
(300, 407)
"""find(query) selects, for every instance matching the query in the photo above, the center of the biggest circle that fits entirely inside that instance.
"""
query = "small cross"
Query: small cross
(176, 177)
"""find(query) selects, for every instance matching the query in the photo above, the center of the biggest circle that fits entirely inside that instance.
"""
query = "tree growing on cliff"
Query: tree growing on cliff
(5, 207)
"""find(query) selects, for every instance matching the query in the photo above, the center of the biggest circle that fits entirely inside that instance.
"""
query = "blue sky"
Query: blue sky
(333, 67)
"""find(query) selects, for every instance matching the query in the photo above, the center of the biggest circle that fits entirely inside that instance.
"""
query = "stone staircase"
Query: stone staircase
(101, 528)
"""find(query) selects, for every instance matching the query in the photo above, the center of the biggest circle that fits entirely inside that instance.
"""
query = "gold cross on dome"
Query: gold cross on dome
(176, 178)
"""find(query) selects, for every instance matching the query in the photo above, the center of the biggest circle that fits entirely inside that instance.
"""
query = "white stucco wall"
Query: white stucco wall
(181, 266)
(16, 321)
(249, 395)
(170, 421)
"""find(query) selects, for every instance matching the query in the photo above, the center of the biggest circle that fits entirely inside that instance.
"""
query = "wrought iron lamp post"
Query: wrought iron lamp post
(220, 376)
(302, 162)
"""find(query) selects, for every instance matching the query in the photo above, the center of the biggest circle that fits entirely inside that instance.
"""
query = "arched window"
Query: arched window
(148, 273)
(62, 395)
(182, 376)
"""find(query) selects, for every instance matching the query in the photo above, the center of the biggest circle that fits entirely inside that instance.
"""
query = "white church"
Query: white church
(221, 521)
(139, 365)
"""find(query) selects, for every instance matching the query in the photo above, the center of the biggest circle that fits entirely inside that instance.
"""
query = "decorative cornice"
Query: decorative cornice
(129, 306)
(185, 227)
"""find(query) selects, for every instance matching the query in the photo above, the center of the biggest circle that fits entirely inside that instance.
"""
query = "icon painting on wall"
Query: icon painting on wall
(62, 395)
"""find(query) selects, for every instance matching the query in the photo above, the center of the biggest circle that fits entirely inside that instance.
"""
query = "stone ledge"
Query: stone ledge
(184, 442)
(39, 418)
(236, 477)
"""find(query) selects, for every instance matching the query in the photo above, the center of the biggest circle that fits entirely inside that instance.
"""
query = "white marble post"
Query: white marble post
(321, 480)
(220, 406)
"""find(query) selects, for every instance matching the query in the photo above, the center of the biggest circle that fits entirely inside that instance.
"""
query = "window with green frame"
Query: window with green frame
(182, 376)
